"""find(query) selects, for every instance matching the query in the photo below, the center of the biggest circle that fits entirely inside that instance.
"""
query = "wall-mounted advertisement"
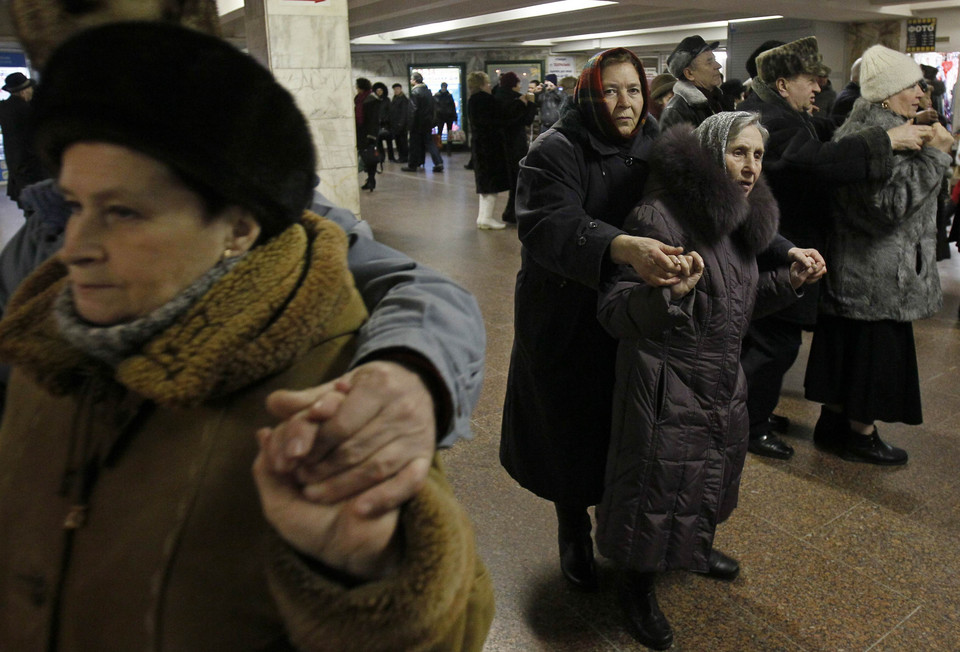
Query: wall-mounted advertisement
(454, 76)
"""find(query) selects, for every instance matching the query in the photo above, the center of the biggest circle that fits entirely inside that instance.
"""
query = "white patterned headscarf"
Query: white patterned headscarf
(714, 132)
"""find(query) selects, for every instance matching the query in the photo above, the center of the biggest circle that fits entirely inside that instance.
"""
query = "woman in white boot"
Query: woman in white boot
(489, 153)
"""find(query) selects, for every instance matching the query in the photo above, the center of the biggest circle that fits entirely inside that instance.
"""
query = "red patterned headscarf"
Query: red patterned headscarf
(589, 96)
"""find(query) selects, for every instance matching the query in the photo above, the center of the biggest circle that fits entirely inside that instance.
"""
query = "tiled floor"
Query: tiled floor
(835, 556)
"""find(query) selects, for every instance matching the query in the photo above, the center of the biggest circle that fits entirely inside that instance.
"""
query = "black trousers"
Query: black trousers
(769, 350)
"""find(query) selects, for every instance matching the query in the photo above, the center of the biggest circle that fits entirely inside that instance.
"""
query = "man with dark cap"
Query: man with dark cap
(801, 164)
(697, 91)
(661, 92)
(23, 166)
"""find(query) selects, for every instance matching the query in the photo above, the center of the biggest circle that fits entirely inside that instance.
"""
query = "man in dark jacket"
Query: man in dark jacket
(23, 166)
(446, 112)
(550, 101)
(422, 122)
(847, 96)
(801, 165)
(696, 95)
(400, 110)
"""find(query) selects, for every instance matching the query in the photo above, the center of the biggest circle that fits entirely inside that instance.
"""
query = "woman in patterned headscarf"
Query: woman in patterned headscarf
(576, 186)
(680, 422)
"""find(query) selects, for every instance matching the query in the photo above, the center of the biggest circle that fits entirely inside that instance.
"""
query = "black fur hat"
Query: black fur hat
(192, 101)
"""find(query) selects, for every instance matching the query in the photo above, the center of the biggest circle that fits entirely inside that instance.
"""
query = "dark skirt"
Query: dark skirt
(868, 367)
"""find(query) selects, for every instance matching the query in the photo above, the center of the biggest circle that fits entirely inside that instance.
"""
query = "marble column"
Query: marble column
(306, 43)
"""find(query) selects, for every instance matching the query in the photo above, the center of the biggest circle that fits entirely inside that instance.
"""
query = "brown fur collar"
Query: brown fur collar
(282, 299)
(42, 25)
(704, 200)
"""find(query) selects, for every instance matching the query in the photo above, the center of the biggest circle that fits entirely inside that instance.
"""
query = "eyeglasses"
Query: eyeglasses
(923, 85)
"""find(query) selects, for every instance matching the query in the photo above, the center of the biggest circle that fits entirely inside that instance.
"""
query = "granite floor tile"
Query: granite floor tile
(925, 629)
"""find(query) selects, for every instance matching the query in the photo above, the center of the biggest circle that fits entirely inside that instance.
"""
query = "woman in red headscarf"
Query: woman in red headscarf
(576, 186)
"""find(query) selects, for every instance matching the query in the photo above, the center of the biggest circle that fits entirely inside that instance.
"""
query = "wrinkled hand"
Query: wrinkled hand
(927, 117)
(369, 435)
(691, 269)
(941, 138)
(339, 535)
(657, 264)
(806, 266)
(909, 136)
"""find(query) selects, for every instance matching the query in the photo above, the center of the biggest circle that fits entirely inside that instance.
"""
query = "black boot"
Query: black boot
(576, 547)
(871, 450)
(645, 621)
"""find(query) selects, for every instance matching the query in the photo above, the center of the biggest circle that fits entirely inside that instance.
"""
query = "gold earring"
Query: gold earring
(227, 253)
(885, 105)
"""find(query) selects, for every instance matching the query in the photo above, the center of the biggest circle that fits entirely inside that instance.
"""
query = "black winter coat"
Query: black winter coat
(368, 131)
(400, 113)
(23, 165)
(491, 165)
(680, 423)
(574, 192)
(516, 115)
(803, 171)
(424, 117)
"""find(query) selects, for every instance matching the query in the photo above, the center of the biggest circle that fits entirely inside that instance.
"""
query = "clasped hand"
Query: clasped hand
(346, 455)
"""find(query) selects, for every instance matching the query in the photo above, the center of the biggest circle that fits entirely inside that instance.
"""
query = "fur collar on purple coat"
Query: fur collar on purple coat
(704, 200)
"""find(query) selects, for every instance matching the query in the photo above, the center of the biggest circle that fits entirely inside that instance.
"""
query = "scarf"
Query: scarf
(283, 298)
(588, 96)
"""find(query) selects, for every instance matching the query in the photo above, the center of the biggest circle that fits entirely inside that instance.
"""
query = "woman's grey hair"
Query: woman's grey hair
(716, 132)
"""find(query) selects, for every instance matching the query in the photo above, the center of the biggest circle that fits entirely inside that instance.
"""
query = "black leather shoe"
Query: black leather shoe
(578, 566)
(723, 567)
(438, 168)
(779, 423)
(645, 621)
(871, 450)
(769, 445)
(407, 168)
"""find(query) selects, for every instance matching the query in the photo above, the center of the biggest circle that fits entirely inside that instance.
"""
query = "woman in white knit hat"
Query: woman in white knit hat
(883, 275)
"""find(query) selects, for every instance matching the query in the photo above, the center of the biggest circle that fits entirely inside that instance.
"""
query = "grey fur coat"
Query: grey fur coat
(882, 248)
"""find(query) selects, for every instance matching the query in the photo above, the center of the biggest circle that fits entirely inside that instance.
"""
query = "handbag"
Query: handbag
(371, 155)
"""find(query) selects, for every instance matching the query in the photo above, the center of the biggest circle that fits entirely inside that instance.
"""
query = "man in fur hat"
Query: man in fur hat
(696, 95)
(415, 376)
(801, 165)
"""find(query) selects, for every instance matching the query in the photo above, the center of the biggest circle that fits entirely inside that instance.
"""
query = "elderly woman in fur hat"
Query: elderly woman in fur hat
(190, 285)
(882, 251)
(680, 421)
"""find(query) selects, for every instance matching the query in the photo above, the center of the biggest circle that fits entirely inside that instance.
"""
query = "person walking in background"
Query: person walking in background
(400, 113)
(517, 111)
(847, 95)
(491, 169)
(422, 122)
(367, 112)
(384, 136)
(883, 276)
(661, 92)
(446, 113)
(23, 166)
(550, 101)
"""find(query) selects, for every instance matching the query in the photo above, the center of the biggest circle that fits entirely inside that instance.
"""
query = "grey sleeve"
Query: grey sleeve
(418, 310)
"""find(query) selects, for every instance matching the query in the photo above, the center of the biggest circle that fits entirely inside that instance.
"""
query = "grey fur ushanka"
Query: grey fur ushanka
(680, 425)
(882, 248)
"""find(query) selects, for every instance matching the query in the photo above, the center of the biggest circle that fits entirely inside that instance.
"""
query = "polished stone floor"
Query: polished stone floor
(835, 556)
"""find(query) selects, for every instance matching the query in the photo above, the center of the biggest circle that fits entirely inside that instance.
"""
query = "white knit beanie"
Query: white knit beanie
(885, 72)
